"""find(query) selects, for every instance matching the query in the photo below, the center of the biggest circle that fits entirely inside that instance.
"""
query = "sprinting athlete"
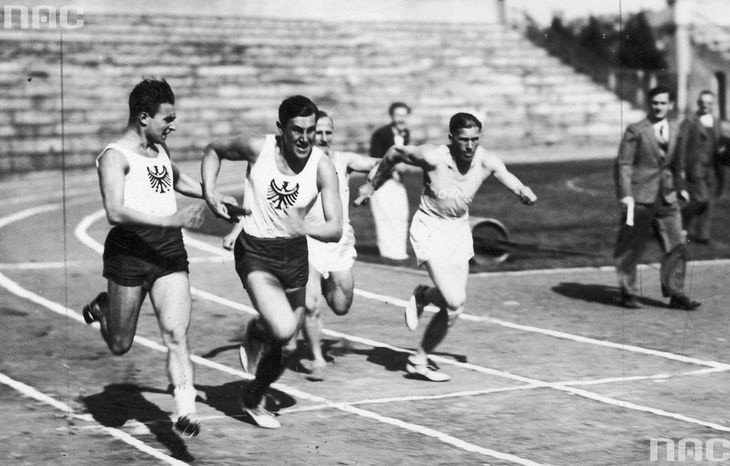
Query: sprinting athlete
(330, 264)
(144, 251)
(439, 233)
(285, 176)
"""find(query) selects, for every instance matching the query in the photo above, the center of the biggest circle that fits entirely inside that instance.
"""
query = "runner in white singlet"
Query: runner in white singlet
(439, 233)
(285, 175)
(144, 252)
(330, 264)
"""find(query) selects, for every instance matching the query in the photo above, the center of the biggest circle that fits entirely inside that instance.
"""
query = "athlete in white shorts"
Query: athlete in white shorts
(439, 233)
(330, 264)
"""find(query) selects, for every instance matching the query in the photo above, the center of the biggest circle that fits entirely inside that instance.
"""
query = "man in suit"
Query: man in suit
(649, 179)
(700, 149)
(389, 204)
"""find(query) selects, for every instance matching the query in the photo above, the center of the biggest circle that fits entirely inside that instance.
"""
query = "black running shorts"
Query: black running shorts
(285, 258)
(139, 255)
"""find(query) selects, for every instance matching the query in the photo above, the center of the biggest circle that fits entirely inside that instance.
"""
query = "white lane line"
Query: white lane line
(80, 232)
(572, 184)
(532, 383)
(23, 214)
(55, 307)
(31, 392)
(527, 328)
(564, 388)
(554, 333)
(44, 196)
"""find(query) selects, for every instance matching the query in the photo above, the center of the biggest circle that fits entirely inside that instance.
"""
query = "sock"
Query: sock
(185, 399)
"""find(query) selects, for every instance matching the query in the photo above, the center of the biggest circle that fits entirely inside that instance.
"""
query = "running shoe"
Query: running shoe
(92, 311)
(427, 371)
(188, 425)
(252, 349)
(260, 415)
(316, 372)
(414, 308)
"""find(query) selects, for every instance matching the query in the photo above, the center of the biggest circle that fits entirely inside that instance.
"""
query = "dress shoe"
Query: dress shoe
(629, 301)
(680, 301)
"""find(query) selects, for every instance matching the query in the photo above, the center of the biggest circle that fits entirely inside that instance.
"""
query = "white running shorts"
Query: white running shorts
(440, 237)
(333, 257)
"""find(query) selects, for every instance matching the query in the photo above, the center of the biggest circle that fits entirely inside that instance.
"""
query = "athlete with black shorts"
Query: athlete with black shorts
(144, 251)
(285, 174)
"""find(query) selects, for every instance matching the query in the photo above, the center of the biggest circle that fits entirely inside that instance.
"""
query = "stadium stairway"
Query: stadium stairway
(230, 74)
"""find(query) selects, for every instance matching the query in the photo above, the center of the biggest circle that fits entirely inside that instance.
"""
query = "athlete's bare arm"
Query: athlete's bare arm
(360, 163)
(236, 149)
(419, 156)
(496, 167)
(113, 167)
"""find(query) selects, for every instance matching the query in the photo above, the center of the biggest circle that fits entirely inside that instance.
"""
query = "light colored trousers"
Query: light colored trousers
(389, 205)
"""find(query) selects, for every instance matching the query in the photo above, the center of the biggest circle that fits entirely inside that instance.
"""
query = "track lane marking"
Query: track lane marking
(443, 437)
(31, 392)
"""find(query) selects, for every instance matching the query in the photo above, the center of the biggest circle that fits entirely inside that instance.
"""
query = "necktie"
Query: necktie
(663, 139)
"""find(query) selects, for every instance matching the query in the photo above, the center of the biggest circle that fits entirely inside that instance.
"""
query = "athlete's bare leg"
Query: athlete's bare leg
(337, 290)
(449, 294)
(170, 296)
(338, 293)
(119, 314)
(280, 315)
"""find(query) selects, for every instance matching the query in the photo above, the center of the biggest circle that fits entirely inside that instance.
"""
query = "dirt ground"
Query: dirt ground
(546, 369)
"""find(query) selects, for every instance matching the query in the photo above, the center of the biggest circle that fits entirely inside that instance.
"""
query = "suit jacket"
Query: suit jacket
(382, 139)
(699, 149)
(643, 170)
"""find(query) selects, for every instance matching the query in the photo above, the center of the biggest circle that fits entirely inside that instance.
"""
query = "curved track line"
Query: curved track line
(31, 392)
(557, 386)
(572, 185)
(448, 439)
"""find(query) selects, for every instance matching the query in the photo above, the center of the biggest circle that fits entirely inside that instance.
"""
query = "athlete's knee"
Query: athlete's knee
(175, 338)
(340, 304)
(454, 300)
(282, 332)
(312, 305)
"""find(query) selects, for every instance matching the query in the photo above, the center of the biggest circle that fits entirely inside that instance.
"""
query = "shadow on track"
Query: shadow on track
(119, 403)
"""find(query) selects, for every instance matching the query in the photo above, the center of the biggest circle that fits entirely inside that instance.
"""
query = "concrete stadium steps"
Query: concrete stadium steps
(229, 75)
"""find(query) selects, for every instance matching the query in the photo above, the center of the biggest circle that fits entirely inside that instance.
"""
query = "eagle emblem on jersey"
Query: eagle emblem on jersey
(282, 196)
(159, 180)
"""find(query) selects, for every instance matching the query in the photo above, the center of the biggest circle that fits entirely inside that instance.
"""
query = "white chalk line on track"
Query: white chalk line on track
(448, 439)
(31, 392)
(526, 328)
(557, 386)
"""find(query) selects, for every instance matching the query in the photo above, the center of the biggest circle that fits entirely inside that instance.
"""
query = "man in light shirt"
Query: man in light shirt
(389, 204)
(649, 180)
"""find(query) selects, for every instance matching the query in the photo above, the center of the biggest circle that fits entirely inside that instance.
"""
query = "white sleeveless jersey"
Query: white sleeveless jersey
(268, 193)
(341, 161)
(148, 186)
(446, 192)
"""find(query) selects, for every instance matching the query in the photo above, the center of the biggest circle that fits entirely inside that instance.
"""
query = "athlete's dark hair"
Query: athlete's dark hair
(148, 95)
(660, 89)
(322, 114)
(463, 120)
(296, 106)
(396, 105)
